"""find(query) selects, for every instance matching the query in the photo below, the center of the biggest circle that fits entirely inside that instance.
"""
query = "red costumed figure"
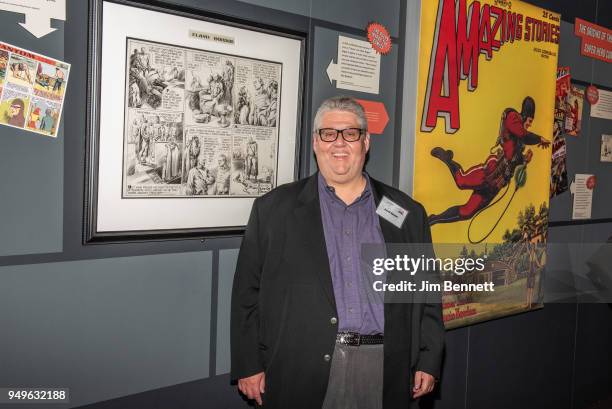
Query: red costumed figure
(488, 178)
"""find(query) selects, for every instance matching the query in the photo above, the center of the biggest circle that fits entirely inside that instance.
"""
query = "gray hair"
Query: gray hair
(340, 103)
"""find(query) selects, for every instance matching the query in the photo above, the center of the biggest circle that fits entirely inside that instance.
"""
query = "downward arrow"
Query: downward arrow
(37, 24)
(332, 71)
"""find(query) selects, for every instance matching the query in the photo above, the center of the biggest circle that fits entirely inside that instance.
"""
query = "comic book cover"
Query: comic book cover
(562, 90)
(486, 87)
(573, 116)
(558, 173)
(32, 90)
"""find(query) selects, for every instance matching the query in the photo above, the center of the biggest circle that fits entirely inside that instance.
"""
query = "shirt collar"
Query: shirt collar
(329, 192)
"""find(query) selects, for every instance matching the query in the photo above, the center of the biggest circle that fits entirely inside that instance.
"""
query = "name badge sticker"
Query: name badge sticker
(391, 212)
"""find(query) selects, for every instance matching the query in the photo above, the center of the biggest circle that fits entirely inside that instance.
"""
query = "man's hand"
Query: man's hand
(253, 386)
(423, 384)
(544, 143)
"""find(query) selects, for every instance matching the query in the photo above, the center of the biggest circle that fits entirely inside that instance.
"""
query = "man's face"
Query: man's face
(14, 110)
(340, 162)
(528, 122)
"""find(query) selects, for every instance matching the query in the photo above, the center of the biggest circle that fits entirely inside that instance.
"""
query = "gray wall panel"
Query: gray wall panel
(522, 361)
(602, 170)
(601, 73)
(106, 328)
(569, 53)
(32, 165)
(380, 165)
(358, 13)
(227, 267)
(301, 7)
(583, 150)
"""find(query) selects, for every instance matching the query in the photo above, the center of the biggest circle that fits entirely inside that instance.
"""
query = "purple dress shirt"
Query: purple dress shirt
(346, 228)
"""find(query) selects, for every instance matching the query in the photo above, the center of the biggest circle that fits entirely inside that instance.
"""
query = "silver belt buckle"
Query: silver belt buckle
(357, 339)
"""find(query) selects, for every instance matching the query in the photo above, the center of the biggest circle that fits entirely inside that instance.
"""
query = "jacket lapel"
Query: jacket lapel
(309, 221)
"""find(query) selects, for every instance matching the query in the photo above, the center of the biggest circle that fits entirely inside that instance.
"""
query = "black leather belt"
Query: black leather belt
(356, 339)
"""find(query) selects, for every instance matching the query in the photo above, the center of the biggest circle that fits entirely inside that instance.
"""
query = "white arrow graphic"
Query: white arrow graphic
(38, 14)
(37, 24)
(332, 71)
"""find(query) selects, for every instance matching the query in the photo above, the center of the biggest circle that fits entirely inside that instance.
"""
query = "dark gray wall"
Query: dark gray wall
(146, 324)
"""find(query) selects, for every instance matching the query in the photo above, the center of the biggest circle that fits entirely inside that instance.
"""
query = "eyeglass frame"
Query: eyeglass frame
(341, 132)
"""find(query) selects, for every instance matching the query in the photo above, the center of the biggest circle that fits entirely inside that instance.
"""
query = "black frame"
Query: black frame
(90, 219)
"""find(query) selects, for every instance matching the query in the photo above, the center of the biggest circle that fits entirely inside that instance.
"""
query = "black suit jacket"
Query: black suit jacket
(283, 302)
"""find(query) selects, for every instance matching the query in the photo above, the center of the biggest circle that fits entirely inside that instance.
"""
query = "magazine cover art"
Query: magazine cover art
(558, 173)
(483, 145)
(573, 116)
(562, 90)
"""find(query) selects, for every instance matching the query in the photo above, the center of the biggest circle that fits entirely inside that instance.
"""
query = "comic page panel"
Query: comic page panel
(156, 76)
(4, 57)
(257, 98)
(50, 80)
(253, 161)
(573, 119)
(209, 89)
(22, 70)
(13, 107)
(207, 162)
(43, 116)
(153, 146)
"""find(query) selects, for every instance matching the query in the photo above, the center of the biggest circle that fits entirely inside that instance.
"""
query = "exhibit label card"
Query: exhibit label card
(603, 107)
(32, 90)
(358, 67)
(583, 196)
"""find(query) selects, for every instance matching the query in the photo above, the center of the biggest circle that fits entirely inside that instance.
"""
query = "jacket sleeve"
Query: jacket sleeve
(244, 325)
(432, 326)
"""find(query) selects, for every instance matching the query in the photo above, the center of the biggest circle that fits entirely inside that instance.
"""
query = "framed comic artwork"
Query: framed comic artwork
(190, 119)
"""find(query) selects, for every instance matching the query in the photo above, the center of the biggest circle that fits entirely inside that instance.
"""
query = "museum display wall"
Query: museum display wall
(146, 323)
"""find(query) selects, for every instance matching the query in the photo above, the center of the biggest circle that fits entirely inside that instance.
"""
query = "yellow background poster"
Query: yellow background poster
(486, 96)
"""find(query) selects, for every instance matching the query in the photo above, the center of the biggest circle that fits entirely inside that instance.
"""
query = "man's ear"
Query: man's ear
(366, 141)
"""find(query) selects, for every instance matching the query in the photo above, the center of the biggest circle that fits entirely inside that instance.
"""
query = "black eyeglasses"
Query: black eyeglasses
(348, 134)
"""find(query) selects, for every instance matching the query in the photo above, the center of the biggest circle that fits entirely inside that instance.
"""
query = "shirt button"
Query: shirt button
(326, 357)
(348, 232)
(348, 259)
(350, 310)
(349, 284)
(333, 320)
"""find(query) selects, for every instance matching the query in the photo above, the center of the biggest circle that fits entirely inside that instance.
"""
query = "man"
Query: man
(488, 178)
(59, 80)
(223, 176)
(304, 331)
(199, 179)
(47, 123)
(15, 114)
(190, 155)
(262, 103)
(252, 159)
(34, 120)
(273, 108)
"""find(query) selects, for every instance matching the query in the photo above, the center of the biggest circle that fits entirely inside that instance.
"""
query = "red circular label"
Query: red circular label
(592, 94)
(379, 37)
(590, 183)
